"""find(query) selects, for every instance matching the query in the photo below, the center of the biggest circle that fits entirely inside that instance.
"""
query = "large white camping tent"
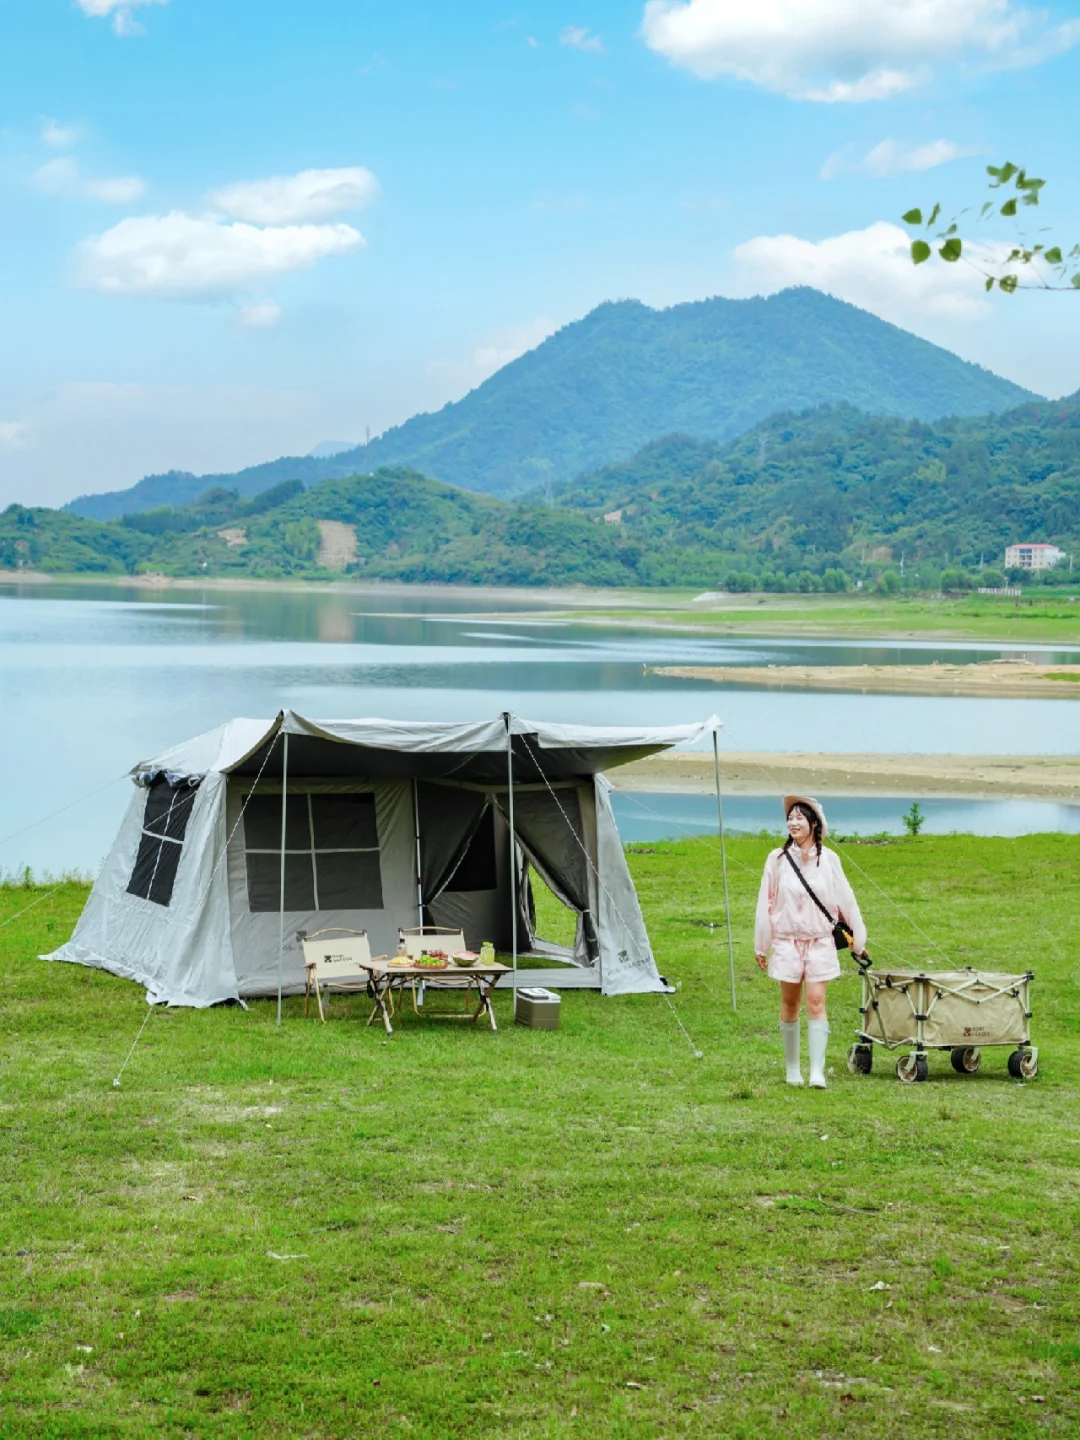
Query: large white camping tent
(241, 837)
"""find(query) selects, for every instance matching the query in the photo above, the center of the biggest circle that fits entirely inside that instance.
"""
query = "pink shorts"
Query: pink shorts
(798, 960)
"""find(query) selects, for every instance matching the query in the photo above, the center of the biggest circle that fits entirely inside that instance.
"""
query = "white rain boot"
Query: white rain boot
(817, 1038)
(789, 1034)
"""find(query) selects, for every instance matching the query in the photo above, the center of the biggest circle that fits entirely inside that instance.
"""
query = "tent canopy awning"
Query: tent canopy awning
(474, 751)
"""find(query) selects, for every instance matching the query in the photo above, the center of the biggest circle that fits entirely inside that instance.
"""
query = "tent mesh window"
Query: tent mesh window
(165, 822)
(331, 852)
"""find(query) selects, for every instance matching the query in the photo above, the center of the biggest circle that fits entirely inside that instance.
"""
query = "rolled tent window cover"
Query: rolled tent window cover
(165, 821)
(331, 852)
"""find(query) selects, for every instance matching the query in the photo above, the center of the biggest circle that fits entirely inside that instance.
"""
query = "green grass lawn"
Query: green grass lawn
(314, 1231)
(1038, 617)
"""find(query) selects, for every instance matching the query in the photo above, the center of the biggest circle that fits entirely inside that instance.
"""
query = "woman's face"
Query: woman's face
(798, 826)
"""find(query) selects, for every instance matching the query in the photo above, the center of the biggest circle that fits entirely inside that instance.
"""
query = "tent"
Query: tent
(238, 839)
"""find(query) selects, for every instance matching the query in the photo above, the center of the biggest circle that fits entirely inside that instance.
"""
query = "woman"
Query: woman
(793, 935)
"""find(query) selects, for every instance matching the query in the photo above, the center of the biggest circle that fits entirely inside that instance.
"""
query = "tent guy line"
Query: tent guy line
(64, 808)
(698, 1054)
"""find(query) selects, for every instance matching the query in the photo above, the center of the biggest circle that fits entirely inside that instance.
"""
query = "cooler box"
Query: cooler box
(537, 1009)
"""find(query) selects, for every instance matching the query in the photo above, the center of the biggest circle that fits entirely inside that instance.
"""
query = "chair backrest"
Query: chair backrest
(336, 954)
(423, 938)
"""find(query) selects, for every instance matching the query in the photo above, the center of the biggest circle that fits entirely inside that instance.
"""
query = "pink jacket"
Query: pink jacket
(785, 910)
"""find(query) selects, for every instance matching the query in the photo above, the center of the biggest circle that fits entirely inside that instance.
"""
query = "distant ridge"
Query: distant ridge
(623, 376)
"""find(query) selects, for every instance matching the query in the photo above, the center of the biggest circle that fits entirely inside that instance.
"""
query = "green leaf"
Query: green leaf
(951, 250)
(1053, 255)
(1009, 208)
(1002, 174)
(1076, 280)
(934, 213)
(986, 209)
(920, 251)
(913, 217)
(1008, 283)
(989, 282)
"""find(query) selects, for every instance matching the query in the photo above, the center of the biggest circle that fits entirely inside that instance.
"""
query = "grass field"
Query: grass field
(314, 1231)
(1044, 617)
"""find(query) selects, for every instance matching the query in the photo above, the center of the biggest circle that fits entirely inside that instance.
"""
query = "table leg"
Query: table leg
(484, 992)
(380, 1002)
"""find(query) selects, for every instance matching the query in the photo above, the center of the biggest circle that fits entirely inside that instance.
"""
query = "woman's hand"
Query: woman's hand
(762, 961)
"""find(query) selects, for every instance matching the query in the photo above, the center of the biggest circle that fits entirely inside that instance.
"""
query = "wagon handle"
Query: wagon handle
(863, 961)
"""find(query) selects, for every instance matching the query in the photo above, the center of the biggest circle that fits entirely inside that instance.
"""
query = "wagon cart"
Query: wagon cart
(961, 1011)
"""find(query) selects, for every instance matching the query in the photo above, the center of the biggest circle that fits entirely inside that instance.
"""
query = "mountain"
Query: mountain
(180, 487)
(625, 375)
(393, 525)
(803, 501)
(833, 486)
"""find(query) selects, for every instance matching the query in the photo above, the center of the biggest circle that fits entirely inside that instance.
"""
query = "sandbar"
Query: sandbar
(1002, 677)
(958, 777)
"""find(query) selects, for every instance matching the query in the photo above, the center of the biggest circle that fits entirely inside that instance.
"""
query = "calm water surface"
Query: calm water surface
(94, 678)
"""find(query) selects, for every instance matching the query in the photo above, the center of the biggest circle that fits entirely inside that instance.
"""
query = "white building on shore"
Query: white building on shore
(1032, 557)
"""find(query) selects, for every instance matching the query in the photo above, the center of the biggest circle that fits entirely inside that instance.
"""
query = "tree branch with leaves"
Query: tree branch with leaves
(1028, 265)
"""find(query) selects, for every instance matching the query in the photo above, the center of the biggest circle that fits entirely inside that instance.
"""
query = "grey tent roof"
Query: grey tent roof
(474, 751)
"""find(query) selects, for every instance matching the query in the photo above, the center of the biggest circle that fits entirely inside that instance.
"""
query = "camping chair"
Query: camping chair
(336, 965)
(425, 938)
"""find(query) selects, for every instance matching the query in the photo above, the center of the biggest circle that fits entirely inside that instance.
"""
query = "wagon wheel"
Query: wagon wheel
(910, 1068)
(860, 1059)
(966, 1059)
(1023, 1065)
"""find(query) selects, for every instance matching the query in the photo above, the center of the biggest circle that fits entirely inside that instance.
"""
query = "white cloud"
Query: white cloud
(62, 177)
(578, 38)
(310, 195)
(845, 50)
(496, 349)
(58, 136)
(502, 346)
(872, 268)
(260, 315)
(890, 158)
(123, 22)
(181, 256)
(12, 435)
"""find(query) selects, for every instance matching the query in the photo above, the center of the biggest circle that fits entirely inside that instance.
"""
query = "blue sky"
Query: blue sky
(232, 231)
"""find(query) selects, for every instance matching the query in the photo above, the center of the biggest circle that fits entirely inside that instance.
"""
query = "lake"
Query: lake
(95, 677)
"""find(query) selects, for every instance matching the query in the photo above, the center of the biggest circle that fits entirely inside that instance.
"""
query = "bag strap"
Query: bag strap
(832, 919)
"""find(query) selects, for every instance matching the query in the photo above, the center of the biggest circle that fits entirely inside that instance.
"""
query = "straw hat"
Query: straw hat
(811, 804)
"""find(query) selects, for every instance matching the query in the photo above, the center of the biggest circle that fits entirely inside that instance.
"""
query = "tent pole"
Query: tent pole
(281, 893)
(513, 854)
(419, 873)
(723, 864)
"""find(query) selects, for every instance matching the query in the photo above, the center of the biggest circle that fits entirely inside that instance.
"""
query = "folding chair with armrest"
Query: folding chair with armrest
(341, 964)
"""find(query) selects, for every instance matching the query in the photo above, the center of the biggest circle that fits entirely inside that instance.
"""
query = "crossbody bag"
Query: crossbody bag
(841, 931)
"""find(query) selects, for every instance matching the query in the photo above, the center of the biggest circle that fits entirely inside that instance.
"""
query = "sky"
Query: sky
(234, 231)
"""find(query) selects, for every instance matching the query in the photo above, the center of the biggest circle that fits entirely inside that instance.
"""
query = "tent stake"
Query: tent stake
(723, 865)
(513, 853)
(281, 895)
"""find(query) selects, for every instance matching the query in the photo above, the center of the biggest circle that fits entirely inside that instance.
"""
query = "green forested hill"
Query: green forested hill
(394, 525)
(834, 486)
(625, 375)
(825, 497)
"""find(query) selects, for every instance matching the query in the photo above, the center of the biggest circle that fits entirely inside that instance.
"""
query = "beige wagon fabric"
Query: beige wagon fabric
(962, 1007)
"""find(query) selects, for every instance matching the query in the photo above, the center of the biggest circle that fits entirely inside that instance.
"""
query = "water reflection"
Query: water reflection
(94, 678)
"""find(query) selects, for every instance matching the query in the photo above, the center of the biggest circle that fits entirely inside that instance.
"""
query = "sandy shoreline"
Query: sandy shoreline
(1012, 677)
(956, 777)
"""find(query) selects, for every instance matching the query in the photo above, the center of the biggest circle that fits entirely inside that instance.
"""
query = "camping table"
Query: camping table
(484, 977)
